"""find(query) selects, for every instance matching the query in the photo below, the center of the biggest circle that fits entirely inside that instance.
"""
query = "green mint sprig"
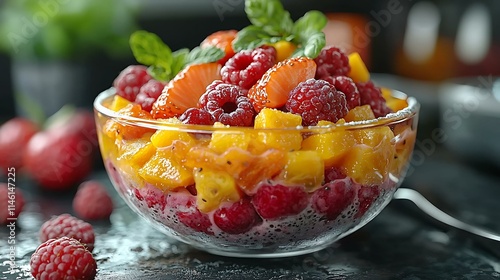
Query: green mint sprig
(150, 50)
(272, 23)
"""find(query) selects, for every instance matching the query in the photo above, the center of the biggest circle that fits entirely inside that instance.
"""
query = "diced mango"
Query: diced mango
(359, 72)
(360, 113)
(136, 152)
(284, 49)
(214, 188)
(118, 129)
(367, 165)
(165, 137)
(165, 171)
(223, 140)
(118, 103)
(393, 102)
(304, 168)
(331, 146)
(272, 118)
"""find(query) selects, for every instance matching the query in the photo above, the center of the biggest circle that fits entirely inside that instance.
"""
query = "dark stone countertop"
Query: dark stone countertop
(398, 244)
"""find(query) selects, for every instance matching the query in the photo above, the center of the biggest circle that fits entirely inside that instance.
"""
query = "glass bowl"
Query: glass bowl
(256, 192)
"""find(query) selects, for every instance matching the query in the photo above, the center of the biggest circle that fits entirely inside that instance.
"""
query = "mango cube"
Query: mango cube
(331, 146)
(272, 118)
(118, 103)
(222, 140)
(359, 73)
(165, 137)
(367, 165)
(214, 188)
(166, 171)
(304, 168)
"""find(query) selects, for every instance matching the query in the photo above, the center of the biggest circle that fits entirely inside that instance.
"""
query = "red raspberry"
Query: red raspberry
(130, 80)
(348, 87)
(68, 226)
(5, 199)
(228, 104)
(246, 67)
(366, 196)
(197, 116)
(331, 61)
(92, 201)
(333, 198)
(317, 100)
(333, 173)
(148, 94)
(152, 196)
(276, 201)
(372, 95)
(238, 218)
(188, 214)
(63, 258)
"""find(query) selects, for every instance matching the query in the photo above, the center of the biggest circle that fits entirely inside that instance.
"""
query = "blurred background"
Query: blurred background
(54, 52)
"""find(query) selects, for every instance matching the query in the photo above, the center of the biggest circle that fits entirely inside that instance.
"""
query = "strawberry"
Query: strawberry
(14, 136)
(185, 89)
(223, 40)
(273, 88)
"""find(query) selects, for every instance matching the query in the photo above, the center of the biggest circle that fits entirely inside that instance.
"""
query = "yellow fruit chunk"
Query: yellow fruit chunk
(331, 146)
(166, 171)
(284, 49)
(223, 140)
(366, 165)
(359, 113)
(246, 168)
(272, 118)
(214, 188)
(359, 73)
(118, 103)
(136, 152)
(165, 137)
(393, 102)
(304, 168)
(405, 138)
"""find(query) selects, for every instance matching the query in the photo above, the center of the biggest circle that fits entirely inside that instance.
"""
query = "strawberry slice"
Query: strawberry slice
(183, 92)
(273, 88)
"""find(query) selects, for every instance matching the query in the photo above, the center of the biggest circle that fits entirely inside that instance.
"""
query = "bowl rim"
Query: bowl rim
(400, 116)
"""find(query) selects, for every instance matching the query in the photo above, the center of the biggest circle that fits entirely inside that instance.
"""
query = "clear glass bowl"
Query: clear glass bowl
(298, 189)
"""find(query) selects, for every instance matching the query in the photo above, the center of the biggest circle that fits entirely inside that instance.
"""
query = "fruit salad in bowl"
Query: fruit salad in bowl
(261, 142)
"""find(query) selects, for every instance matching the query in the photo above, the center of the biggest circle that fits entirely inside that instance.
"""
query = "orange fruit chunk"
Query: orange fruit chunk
(272, 89)
(184, 91)
(114, 128)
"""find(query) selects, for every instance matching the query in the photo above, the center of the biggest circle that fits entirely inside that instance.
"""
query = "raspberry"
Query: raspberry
(237, 218)
(130, 80)
(333, 173)
(152, 196)
(68, 226)
(5, 213)
(276, 201)
(246, 67)
(333, 198)
(63, 258)
(188, 214)
(372, 95)
(228, 104)
(317, 100)
(148, 94)
(331, 61)
(92, 201)
(348, 87)
(366, 196)
(197, 116)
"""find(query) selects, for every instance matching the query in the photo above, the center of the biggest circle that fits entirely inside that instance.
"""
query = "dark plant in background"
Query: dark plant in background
(66, 29)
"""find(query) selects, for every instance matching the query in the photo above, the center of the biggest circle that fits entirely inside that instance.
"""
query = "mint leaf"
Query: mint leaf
(250, 37)
(204, 55)
(149, 49)
(270, 16)
(309, 24)
(179, 60)
(315, 43)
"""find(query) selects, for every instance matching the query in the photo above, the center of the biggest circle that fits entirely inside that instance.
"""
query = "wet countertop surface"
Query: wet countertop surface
(398, 244)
